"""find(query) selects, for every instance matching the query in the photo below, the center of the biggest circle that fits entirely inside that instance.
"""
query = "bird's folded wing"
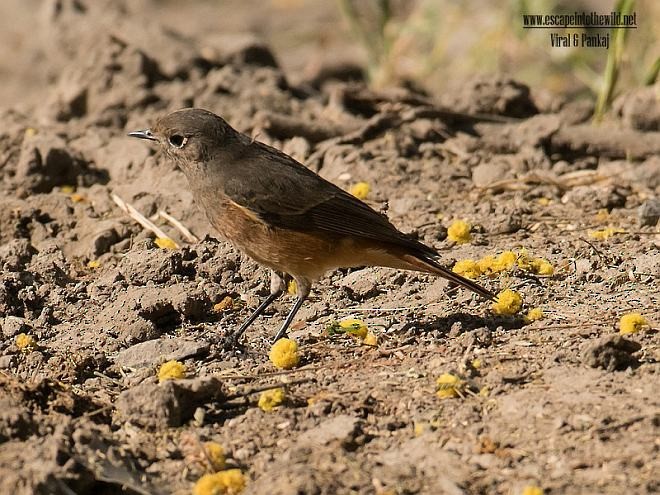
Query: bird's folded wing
(285, 194)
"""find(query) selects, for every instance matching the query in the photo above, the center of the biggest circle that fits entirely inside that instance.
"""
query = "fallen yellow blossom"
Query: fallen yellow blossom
(228, 482)
(491, 265)
(226, 304)
(604, 234)
(171, 370)
(459, 232)
(93, 264)
(67, 189)
(77, 198)
(631, 323)
(215, 454)
(449, 386)
(371, 339)
(355, 327)
(165, 243)
(534, 314)
(284, 354)
(532, 490)
(539, 266)
(467, 268)
(508, 303)
(25, 343)
(360, 190)
(270, 399)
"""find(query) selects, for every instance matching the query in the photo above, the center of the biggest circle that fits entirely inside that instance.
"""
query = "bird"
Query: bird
(282, 214)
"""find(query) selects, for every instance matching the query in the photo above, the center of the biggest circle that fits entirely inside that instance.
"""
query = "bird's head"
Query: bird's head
(189, 136)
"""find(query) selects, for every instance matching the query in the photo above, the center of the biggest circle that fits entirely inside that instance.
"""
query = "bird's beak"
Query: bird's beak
(145, 134)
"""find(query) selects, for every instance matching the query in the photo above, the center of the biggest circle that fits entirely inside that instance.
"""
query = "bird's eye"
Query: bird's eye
(177, 140)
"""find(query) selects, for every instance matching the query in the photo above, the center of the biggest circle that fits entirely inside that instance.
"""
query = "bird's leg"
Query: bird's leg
(303, 287)
(277, 286)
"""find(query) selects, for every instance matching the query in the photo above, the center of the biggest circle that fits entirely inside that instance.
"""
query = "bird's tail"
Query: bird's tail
(427, 264)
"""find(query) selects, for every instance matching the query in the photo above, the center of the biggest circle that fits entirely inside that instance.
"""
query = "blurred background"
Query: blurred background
(426, 44)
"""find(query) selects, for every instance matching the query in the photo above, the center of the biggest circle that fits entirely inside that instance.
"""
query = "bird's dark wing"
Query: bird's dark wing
(284, 193)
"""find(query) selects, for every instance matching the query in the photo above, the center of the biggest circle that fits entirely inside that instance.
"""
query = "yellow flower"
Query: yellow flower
(631, 323)
(508, 303)
(604, 234)
(226, 304)
(215, 455)
(94, 264)
(467, 268)
(534, 314)
(165, 243)
(67, 189)
(270, 399)
(228, 482)
(360, 190)
(355, 327)
(371, 339)
(449, 386)
(25, 343)
(459, 232)
(540, 266)
(284, 354)
(491, 265)
(532, 490)
(171, 370)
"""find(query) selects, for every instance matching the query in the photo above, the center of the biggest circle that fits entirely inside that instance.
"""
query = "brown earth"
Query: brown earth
(563, 403)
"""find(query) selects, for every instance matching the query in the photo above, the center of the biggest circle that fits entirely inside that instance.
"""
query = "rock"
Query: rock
(151, 352)
(610, 353)
(342, 429)
(168, 404)
(649, 212)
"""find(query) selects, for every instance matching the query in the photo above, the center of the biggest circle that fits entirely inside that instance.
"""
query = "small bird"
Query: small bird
(280, 213)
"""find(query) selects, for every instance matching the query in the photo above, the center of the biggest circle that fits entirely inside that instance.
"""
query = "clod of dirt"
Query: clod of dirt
(611, 353)
(487, 173)
(153, 265)
(151, 352)
(639, 108)
(15, 254)
(491, 96)
(46, 161)
(171, 403)
(361, 284)
(13, 325)
(649, 212)
(342, 429)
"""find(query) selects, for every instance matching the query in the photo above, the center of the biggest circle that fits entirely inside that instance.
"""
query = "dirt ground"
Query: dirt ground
(563, 403)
